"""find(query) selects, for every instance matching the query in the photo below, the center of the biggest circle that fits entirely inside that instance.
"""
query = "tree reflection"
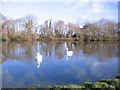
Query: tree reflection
(26, 50)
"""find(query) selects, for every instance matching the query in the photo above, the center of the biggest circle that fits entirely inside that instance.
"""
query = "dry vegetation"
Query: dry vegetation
(26, 28)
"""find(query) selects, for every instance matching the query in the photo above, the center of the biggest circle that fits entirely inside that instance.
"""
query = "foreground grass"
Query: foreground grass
(112, 84)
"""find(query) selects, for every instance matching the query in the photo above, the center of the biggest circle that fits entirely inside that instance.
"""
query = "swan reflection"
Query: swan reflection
(38, 59)
(66, 58)
(38, 64)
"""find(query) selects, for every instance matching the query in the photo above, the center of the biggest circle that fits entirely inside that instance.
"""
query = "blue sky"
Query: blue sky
(76, 12)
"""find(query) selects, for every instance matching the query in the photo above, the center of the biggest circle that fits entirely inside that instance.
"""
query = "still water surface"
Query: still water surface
(91, 61)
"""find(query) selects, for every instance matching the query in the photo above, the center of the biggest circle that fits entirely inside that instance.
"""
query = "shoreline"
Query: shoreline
(64, 40)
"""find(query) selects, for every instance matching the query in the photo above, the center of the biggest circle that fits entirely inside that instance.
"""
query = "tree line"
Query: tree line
(27, 28)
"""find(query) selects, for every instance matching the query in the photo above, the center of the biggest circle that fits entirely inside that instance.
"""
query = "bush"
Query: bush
(88, 84)
(100, 85)
(105, 80)
(67, 86)
(115, 82)
(111, 86)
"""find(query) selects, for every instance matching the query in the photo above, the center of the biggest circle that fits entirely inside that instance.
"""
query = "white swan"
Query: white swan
(38, 59)
(69, 53)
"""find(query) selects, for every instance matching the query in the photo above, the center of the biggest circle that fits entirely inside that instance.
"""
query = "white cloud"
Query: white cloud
(83, 17)
(96, 7)
(78, 6)
(95, 10)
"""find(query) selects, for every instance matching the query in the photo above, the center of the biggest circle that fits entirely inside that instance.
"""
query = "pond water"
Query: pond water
(91, 61)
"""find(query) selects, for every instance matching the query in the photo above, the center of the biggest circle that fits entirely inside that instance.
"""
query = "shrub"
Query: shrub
(88, 84)
(67, 86)
(100, 85)
(105, 80)
(115, 82)
(111, 86)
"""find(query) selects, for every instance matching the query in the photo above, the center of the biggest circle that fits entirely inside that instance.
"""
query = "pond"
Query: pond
(91, 61)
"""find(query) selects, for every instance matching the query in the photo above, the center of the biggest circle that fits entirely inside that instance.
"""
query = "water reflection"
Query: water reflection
(38, 59)
(19, 51)
(91, 61)
(38, 64)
